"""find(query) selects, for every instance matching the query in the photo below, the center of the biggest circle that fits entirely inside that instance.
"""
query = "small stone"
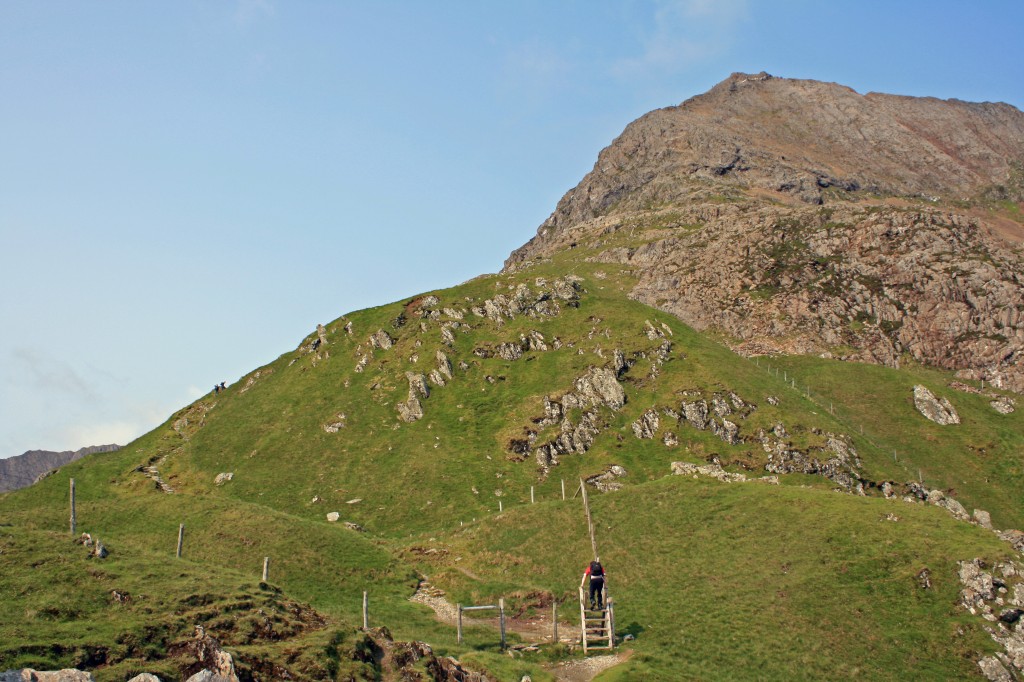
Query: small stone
(223, 478)
(333, 516)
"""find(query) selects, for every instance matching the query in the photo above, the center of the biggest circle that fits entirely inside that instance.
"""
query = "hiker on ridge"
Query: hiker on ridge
(597, 576)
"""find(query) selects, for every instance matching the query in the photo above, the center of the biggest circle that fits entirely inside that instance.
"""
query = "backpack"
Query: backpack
(596, 570)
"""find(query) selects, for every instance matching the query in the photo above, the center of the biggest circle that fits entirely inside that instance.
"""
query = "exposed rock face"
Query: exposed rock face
(608, 481)
(403, 660)
(797, 216)
(381, 339)
(937, 410)
(647, 425)
(984, 594)
(26, 469)
(210, 662)
(599, 386)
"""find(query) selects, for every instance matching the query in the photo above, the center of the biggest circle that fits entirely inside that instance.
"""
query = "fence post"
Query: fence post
(181, 537)
(500, 509)
(501, 618)
(366, 612)
(532, 501)
(554, 622)
(72, 507)
(563, 490)
(266, 568)
(460, 624)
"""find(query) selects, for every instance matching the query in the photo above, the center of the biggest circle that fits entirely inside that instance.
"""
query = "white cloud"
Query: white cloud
(120, 432)
(248, 12)
(684, 33)
(41, 372)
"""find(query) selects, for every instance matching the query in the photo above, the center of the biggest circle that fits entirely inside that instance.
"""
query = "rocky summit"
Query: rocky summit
(795, 216)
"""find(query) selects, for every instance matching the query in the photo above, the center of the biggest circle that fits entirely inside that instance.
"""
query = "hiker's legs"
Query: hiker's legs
(596, 588)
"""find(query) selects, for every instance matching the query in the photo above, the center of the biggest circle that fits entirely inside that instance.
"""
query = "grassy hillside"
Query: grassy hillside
(719, 581)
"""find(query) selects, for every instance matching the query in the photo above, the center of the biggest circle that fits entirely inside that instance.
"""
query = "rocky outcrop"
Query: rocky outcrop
(780, 236)
(393, 660)
(940, 411)
(837, 460)
(382, 340)
(647, 425)
(608, 480)
(996, 594)
(205, 660)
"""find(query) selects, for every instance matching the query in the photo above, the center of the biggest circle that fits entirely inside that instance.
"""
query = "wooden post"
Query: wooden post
(181, 537)
(590, 523)
(499, 507)
(554, 622)
(501, 619)
(73, 525)
(532, 500)
(583, 621)
(460, 624)
(366, 611)
(563, 490)
(266, 568)
(611, 622)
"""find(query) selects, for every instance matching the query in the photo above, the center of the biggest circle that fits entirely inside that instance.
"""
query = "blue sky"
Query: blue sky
(188, 188)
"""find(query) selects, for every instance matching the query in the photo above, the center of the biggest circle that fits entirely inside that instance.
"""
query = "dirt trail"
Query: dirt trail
(536, 630)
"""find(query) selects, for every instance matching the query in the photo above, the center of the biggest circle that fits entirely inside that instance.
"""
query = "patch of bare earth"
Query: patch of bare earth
(536, 630)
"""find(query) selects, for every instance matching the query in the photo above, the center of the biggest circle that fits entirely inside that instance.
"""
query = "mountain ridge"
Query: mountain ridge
(769, 210)
(25, 469)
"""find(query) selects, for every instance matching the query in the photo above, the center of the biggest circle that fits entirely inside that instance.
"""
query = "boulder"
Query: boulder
(599, 386)
(417, 385)
(938, 410)
(333, 516)
(647, 425)
(145, 677)
(212, 664)
(727, 431)
(982, 518)
(696, 414)
(411, 410)
(607, 482)
(1002, 405)
(223, 478)
(381, 339)
(444, 365)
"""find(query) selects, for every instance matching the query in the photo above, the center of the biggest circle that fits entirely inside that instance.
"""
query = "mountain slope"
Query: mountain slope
(797, 216)
(761, 517)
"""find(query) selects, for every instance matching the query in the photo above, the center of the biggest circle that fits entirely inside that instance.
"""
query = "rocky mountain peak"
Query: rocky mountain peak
(801, 216)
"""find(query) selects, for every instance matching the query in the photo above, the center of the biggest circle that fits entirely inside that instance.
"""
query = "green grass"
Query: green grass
(717, 581)
(746, 581)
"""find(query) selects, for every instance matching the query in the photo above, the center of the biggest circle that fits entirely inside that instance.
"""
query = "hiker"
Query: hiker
(216, 388)
(597, 576)
(222, 386)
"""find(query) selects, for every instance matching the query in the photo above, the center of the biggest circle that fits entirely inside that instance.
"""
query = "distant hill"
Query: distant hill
(25, 469)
